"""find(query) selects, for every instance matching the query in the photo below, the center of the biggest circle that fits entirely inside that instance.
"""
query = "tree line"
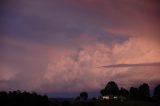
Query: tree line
(18, 98)
(142, 93)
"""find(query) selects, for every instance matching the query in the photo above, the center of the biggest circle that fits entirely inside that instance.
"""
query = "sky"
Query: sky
(63, 47)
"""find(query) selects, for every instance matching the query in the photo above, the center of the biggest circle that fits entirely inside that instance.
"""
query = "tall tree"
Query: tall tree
(124, 92)
(103, 92)
(134, 93)
(84, 95)
(156, 94)
(144, 92)
(110, 89)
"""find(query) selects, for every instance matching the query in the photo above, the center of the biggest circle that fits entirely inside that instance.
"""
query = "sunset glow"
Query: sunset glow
(55, 46)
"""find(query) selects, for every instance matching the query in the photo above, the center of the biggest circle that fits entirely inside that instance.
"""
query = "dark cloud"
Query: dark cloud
(131, 65)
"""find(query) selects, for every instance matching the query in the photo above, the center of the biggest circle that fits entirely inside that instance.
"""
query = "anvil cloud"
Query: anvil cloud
(54, 46)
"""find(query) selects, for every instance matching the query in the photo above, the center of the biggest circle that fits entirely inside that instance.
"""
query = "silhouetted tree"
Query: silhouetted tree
(84, 95)
(103, 92)
(156, 94)
(18, 98)
(144, 92)
(124, 92)
(110, 89)
(134, 93)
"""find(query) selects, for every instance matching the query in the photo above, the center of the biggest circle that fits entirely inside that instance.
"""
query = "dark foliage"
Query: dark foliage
(156, 94)
(124, 92)
(103, 92)
(18, 98)
(110, 89)
(84, 95)
(144, 92)
(134, 93)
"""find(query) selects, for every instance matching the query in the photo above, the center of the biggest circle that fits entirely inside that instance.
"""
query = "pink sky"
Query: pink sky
(56, 46)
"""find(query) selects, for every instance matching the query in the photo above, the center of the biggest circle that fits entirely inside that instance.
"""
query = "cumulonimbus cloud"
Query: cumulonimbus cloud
(54, 46)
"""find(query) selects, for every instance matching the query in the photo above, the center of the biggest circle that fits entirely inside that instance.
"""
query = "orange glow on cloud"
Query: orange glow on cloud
(55, 46)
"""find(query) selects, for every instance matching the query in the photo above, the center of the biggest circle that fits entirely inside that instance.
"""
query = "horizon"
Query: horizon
(91, 94)
(64, 47)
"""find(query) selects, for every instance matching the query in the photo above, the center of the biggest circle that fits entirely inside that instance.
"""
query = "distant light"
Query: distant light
(105, 97)
(115, 97)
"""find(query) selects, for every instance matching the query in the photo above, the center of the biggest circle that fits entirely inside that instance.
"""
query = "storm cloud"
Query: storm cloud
(55, 46)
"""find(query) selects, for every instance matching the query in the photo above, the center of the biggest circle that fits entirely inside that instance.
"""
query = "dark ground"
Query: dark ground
(105, 103)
